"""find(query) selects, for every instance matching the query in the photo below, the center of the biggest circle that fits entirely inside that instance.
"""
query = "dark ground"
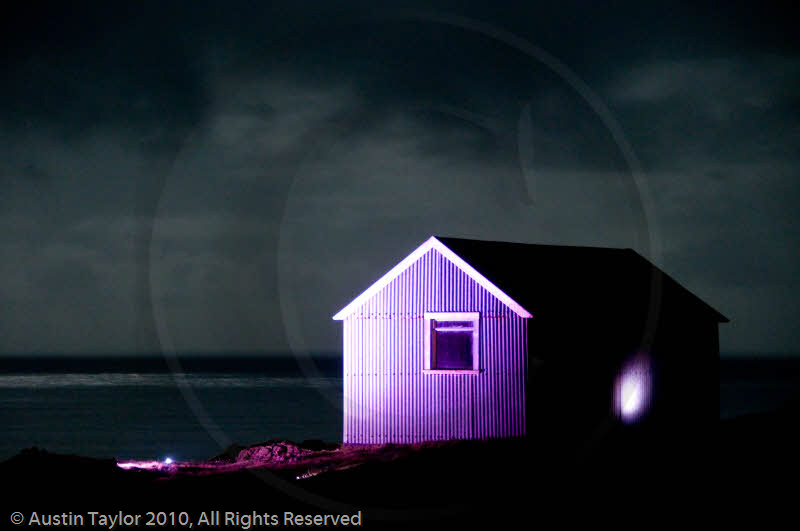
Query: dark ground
(499, 484)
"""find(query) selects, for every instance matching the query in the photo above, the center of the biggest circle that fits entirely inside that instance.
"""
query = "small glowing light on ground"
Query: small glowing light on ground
(168, 461)
(632, 390)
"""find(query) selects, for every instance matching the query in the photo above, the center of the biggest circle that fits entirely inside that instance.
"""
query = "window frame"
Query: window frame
(430, 350)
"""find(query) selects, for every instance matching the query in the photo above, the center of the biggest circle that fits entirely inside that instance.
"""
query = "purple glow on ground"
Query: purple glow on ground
(147, 465)
(632, 390)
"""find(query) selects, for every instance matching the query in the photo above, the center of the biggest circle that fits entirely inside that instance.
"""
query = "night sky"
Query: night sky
(225, 177)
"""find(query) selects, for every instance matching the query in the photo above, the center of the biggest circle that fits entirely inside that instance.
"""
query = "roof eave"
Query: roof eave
(431, 243)
(718, 317)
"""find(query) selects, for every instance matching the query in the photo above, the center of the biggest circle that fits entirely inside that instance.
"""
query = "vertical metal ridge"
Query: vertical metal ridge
(387, 398)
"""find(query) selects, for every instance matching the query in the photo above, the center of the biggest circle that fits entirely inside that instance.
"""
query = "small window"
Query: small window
(451, 342)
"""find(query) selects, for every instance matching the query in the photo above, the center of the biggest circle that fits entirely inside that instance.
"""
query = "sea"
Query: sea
(154, 408)
(192, 409)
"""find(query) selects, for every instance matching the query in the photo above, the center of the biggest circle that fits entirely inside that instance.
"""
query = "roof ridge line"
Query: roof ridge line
(432, 243)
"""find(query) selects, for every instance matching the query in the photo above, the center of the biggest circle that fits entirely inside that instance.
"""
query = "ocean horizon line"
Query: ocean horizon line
(325, 363)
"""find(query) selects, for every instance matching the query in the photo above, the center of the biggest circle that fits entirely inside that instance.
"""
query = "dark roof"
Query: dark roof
(550, 277)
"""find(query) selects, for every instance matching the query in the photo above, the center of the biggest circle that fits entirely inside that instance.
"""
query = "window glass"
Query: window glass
(453, 350)
(451, 341)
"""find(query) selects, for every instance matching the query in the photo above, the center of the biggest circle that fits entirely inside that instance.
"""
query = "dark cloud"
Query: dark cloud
(226, 177)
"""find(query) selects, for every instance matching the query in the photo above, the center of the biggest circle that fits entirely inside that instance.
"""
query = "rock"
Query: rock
(280, 452)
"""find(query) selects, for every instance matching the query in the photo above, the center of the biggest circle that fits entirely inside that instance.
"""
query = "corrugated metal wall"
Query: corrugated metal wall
(387, 398)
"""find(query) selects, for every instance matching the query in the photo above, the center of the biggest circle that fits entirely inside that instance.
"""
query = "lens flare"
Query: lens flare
(632, 390)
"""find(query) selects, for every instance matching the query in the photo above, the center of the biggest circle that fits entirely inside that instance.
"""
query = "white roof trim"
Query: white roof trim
(432, 243)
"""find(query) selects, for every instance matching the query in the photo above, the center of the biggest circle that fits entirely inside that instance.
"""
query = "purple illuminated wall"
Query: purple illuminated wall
(387, 398)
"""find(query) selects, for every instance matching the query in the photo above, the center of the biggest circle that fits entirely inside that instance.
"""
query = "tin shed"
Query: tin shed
(468, 339)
